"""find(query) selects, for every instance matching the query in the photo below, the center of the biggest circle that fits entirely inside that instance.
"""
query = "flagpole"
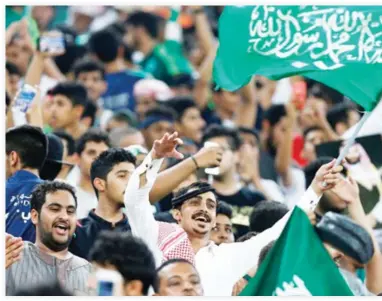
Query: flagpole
(352, 138)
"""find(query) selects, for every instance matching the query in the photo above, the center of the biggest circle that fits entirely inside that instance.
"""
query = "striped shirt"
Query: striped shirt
(36, 268)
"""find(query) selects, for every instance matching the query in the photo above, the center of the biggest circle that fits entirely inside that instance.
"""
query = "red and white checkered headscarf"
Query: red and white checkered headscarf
(174, 243)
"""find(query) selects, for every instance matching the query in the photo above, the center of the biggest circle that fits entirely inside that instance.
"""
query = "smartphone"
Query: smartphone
(52, 43)
(109, 283)
(215, 171)
(299, 94)
(24, 98)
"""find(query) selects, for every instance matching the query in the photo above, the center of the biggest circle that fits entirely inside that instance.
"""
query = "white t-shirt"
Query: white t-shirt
(295, 191)
(85, 202)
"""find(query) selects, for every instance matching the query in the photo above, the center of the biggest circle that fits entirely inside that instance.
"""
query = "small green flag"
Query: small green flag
(338, 46)
(298, 264)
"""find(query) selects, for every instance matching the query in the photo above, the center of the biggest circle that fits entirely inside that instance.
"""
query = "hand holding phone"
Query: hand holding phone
(109, 283)
(52, 43)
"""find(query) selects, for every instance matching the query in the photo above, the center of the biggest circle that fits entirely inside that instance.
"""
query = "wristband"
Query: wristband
(196, 163)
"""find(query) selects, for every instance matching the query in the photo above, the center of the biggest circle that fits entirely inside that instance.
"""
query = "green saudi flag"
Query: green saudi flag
(338, 46)
(298, 264)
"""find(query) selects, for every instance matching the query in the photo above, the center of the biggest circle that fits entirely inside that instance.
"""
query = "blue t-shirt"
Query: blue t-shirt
(19, 189)
(119, 94)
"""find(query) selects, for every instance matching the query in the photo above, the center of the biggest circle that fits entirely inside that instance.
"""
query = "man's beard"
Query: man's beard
(48, 241)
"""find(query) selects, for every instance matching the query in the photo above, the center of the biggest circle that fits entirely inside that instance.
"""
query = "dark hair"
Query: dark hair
(127, 53)
(88, 65)
(311, 129)
(338, 113)
(247, 236)
(75, 91)
(69, 141)
(185, 190)
(125, 116)
(106, 161)
(252, 132)
(150, 22)
(7, 100)
(264, 252)
(116, 135)
(163, 111)
(12, 69)
(104, 44)
(311, 170)
(30, 143)
(90, 111)
(92, 135)
(181, 104)
(274, 114)
(41, 190)
(265, 214)
(224, 208)
(220, 131)
(50, 289)
(128, 254)
(165, 264)
(182, 80)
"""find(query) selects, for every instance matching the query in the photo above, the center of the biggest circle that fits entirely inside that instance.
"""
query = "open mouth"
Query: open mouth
(61, 228)
(202, 218)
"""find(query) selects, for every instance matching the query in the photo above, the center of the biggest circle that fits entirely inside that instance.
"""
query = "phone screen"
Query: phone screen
(52, 44)
(105, 288)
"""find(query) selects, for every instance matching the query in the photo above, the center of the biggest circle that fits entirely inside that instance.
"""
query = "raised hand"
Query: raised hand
(347, 189)
(327, 177)
(209, 156)
(13, 248)
(166, 147)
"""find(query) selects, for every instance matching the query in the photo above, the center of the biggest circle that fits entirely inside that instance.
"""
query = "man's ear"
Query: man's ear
(121, 52)
(178, 127)
(34, 216)
(177, 215)
(78, 110)
(14, 159)
(99, 184)
(134, 288)
(86, 121)
(340, 128)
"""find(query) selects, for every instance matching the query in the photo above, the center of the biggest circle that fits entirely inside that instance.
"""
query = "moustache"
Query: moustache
(202, 214)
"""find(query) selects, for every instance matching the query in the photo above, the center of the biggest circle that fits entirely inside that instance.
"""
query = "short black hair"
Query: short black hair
(92, 135)
(264, 252)
(30, 143)
(150, 22)
(194, 186)
(265, 214)
(165, 264)
(221, 131)
(311, 170)
(88, 65)
(253, 132)
(247, 236)
(104, 44)
(311, 129)
(181, 104)
(41, 190)
(90, 111)
(125, 116)
(12, 69)
(69, 140)
(339, 113)
(275, 113)
(50, 289)
(224, 208)
(127, 53)
(128, 254)
(106, 161)
(7, 100)
(163, 111)
(75, 91)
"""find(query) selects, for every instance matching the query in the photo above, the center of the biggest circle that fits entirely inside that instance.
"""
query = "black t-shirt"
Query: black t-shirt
(242, 203)
(87, 232)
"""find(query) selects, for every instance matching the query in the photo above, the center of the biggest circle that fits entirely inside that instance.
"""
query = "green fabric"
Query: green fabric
(299, 259)
(165, 61)
(13, 16)
(47, 129)
(361, 274)
(337, 46)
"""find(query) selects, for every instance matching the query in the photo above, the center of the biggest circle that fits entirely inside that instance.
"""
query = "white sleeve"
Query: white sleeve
(139, 211)
(377, 211)
(243, 256)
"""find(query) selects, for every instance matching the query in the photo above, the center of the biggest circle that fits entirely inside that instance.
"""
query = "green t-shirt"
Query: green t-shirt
(165, 61)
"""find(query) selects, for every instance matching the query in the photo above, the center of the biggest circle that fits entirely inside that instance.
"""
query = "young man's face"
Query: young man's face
(229, 158)
(156, 131)
(91, 151)
(222, 232)
(17, 54)
(179, 279)
(197, 216)
(227, 101)
(192, 124)
(278, 132)
(57, 220)
(94, 84)
(62, 112)
(312, 139)
(116, 182)
(13, 84)
(143, 104)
